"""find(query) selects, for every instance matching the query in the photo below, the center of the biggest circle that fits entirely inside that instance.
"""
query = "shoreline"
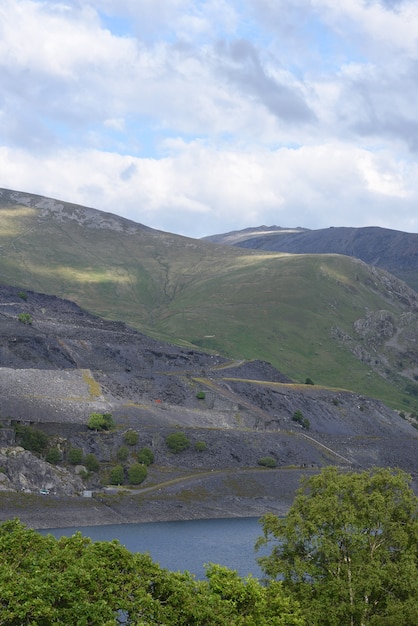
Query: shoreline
(265, 492)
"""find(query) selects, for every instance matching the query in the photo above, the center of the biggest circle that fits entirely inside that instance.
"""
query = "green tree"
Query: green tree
(122, 453)
(117, 475)
(145, 456)
(75, 456)
(177, 442)
(91, 462)
(131, 438)
(31, 438)
(137, 473)
(200, 446)
(348, 548)
(100, 421)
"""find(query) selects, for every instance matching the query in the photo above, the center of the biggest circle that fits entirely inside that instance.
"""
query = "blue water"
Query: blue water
(180, 546)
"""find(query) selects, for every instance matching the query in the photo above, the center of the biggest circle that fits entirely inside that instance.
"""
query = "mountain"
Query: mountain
(59, 363)
(392, 250)
(330, 318)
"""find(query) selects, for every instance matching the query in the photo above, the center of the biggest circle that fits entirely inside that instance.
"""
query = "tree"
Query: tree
(75, 456)
(131, 437)
(177, 442)
(122, 453)
(91, 462)
(137, 473)
(100, 421)
(348, 548)
(116, 475)
(145, 456)
(31, 438)
(53, 456)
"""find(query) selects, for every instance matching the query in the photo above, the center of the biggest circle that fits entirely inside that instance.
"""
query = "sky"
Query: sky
(199, 117)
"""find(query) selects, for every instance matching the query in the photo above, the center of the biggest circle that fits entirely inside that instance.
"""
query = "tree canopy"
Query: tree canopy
(347, 550)
(48, 582)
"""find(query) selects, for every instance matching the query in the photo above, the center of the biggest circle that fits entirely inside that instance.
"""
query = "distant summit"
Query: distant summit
(392, 250)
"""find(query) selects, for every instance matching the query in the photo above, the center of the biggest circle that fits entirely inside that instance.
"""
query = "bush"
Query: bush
(131, 437)
(117, 475)
(53, 456)
(25, 318)
(122, 453)
(177, 442)
(100, 421)
(200, 395)
(75, 456)
(137, 473)
(267, 461)
(309, 381)
(200, 446)
(145, 456)
(23, 295)
(91, 462)
(31, 439)
(300, 419)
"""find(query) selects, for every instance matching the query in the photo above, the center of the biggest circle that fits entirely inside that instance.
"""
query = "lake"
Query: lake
(180, 546)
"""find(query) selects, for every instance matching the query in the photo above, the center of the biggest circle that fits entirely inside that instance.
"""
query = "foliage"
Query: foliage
(200, 446)
(31, 438)
(91, 462)
(117, 475)
(53, 456)
(177, 442)
(348, 548)
(25, 318)
(123, 453)
(309, 381)
(145, 456)
(137, 473)
(131, 438)
(72, 580)
(267, 461)
(23, 295)
(100, 421)
(200, 395)
(300, 419)
(75, 456)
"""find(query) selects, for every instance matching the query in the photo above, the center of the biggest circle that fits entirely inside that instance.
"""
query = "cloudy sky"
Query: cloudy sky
(203, 116)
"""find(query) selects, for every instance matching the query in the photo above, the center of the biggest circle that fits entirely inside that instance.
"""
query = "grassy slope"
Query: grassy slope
(247, 304)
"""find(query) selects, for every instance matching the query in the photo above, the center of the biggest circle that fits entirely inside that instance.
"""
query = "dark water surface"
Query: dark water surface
(180, 546)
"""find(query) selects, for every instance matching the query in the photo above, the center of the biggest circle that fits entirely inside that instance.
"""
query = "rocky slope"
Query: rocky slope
(58, 364)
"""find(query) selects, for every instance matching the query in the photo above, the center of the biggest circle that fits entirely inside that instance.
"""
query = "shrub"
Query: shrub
(145, 456)
(31, 439)
(199, 446)
(300, 419)
(100, 421)
(53, 456)
(177, 442)
(309, 381)
(137, 473)
(117, 475)
(75, 456)
(25, 318)
(122, 453)
(23, 295)
(200, 395)
(267, 461)
(131, 437)
(91, 462)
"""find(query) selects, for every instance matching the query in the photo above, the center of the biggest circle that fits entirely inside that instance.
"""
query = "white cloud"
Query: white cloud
(202, 116)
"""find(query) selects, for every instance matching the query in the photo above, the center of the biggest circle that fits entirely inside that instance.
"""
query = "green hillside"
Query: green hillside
(295, 311)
